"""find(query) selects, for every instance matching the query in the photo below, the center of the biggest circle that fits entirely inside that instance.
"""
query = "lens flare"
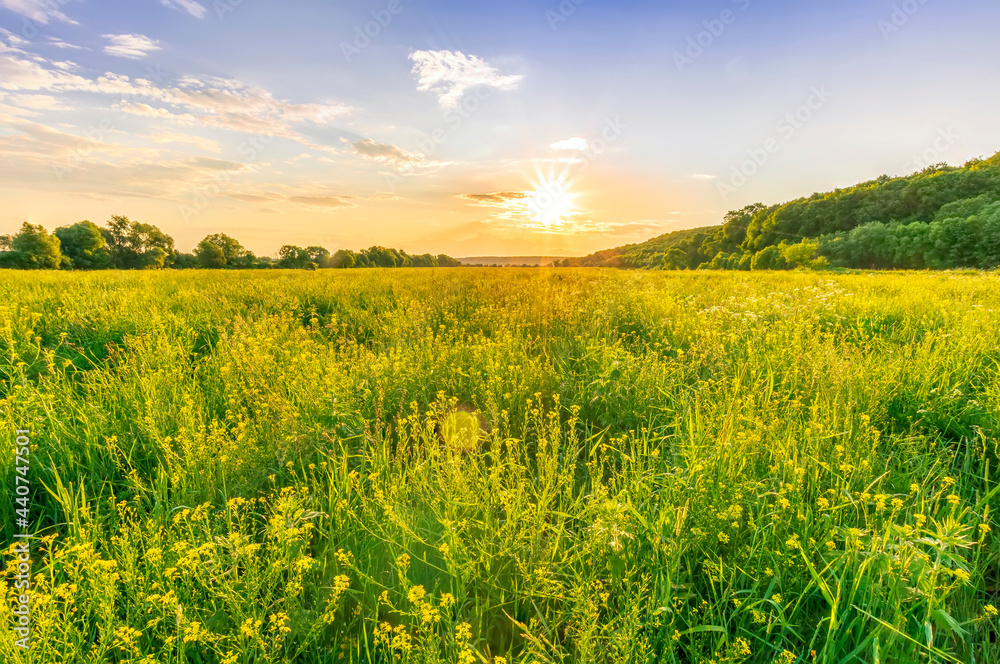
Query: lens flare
(551, 201)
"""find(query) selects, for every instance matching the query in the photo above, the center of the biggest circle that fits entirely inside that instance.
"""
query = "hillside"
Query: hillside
(510, 261)
(942, 217)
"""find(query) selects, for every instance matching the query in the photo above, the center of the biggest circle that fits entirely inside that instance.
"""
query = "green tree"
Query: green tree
(802, 254)
(32, 248)
(210, 255)
(343, 259)
(382, 257)
(769, 258)
(185, 262)
(219, 250)
(319, 256)
(84, 245)
(137, 246)
(291, 257)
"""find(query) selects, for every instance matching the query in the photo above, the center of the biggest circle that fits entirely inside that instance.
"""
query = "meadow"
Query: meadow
(504, 466)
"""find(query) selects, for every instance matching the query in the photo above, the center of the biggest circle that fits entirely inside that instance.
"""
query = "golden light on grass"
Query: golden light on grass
(463, 430)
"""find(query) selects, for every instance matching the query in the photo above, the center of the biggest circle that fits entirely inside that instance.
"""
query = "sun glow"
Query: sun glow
(551, 201)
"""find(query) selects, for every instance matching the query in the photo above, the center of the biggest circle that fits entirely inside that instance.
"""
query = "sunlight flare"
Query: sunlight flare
(551, 201)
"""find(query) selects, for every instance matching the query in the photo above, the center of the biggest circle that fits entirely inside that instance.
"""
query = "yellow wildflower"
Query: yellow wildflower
(279, 624)
(786, 657)
(194, 633)
(428, 614)
(742, 647)
(345, 558)
(416, 594)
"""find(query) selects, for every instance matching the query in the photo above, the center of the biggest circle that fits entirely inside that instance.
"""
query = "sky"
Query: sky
(555, 127)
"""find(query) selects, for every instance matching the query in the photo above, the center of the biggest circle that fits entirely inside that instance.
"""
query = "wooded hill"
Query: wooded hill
(942, 217)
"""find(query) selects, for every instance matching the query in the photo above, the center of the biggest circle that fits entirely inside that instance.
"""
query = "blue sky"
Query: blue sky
(475, 128)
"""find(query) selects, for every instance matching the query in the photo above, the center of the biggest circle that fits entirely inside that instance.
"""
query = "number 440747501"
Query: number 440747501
(22, 452)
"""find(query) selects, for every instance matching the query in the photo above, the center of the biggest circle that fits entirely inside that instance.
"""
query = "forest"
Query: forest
(943, 217)
(124, 244)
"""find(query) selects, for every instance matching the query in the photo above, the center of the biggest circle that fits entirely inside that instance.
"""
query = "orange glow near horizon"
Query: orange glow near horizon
(551, 201)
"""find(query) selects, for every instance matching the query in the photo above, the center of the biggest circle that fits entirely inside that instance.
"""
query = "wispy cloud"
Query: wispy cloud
(500, 198)
(576, 143)
(325, 201)
(204, 100)
(39, 103)
(133, 47)
(449, 74)
(190, 6)
(175, 137)
(58, 43)
(39, 11)
(385, 153)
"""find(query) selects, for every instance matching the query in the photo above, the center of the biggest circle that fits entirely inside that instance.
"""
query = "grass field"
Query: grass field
(527, 466)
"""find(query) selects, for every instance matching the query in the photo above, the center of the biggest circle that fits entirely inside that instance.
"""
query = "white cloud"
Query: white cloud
(133, 47)
(146, 111)
(450, 74)
(703, 176)
(17, 73)
(16, 40)
(58, 43)
(30, 83)
(577, 143)
(176, 137)
(39, 103)
(385, 153)
(222, 103)
(190, 6)
(39, 11)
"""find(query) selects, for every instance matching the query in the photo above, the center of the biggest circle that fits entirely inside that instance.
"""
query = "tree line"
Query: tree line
(940, 218)
(124, 244)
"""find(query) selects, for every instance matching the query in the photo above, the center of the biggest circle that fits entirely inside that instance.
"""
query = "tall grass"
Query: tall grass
(738, 468)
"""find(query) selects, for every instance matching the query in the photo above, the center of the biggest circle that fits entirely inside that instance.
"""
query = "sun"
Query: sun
(551, 201)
